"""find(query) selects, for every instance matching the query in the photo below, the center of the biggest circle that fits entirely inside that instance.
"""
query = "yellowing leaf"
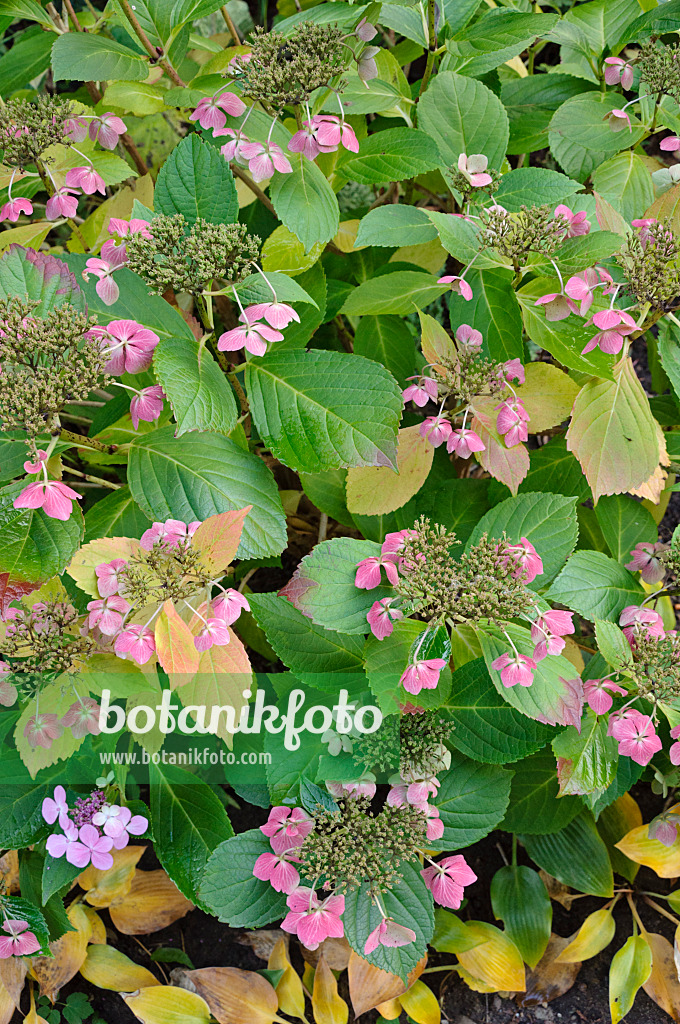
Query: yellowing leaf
(284, 251)
(496, 962)
(98, 936)
(218, 537)
(346, 236)
(550, 979)
(390, 1009)
(152, 903)
(596, 932)
(613, 433)
(12, 977)
(54, 699)
(613, 824)
(638, 847)
(69, 953)
(548, 395)
(235, 996)
(30, 235)
(630, 969)
(421, 1004)
(328, 1006)
(430, 256)
(107, 967)
(289, 989)
(175, 646)
(32, 1017)
(370, 986)
(653, 489)
(509, 465)
(223, 674)
(436, 342)
(165, 1004)
(103, 887)
(373, 492)
(662, 985)
(94, 553)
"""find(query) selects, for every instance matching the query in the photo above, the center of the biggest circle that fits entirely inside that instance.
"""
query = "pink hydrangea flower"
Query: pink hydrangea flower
(137, 641)
(19, 941)
(86, 179)
(513, 370)
(435, 826)
(581, 288)
(365, 31)
(128, 346)
(214, 633)
(107, 614)
(286, 828)
(82, 718)
(474, 168)
(618, 120)
(107, 576)
(147, 405)
(233, 149)
(90, 847)
(42, 730)
(212, 111)
(56, 807)
(446, 880)
(514, 670)
(64, 203)
(58, 844)
(389, 933)
(618, 70)
(674, 752)
(170, 533)
(107, 129)
(528, 561)
(645, 561)
(458, 285)
(264, 158)
(367, 67)
(394, 543)
(512, 421)
(277, 314)
(52, 496)
(365, 786)
(436, 429)
(671, 144)
(123, 228)
(121, 826)
(229, 606)
(278, 871)
(637, 739)
(577, 223)
(305, 141)
(547, 632)
(368, 575)
(332, 132)
(557, 306)
(422, 675)
(614, 325)
(75, 129)
(382, 616)
(253, 337)
(635, 619)
(464, 442)
(664, 828)
(8, 691)
(468, 337)
(14, 208)
(598, 694)
(643, 224)
(422, 392)
(311, 920)
(112, 258)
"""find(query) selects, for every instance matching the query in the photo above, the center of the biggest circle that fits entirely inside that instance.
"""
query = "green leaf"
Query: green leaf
(189, 822)
(24, 910)
(33, 546)
(556, 693)
(395, 224)
(668, 344)
(196, 181)
(624, 523)
(580, 137)
(256, 289)
(77, 56)
(57, 874)
(201, 474)
(27, 60)
(494, 311)
(463, 116)
(630, 968)
(548, 521)
(136, 98)
(575, 253)
(41, 278)
(576, 856)
(324, 410)
(595, 586)
(116, 515)
(317, 656)
(520, 900)
(388, 340)
(462, 239)
(472, 800)
(408, 902)
(305, 202)
(556, 471)
(530, 103)
(612, 644)
(495, 38)
(587, 758)
(29, 9)
(534, 804)
(625, 182)
(401, 291)
(534, 186)
(391, 155)
(451, 935)
(487, 728)
(195, 386)
(386, 660)
(459, 505)
(231, 891)
(323, 585)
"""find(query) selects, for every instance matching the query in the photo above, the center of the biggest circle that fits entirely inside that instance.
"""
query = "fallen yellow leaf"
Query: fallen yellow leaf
(107, 967)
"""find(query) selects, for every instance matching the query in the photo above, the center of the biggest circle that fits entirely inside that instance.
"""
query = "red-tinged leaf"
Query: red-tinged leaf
(224, 673)
(218, 538)
(613, 433)
(608, 218)
(175, 646)
(509, 465)
(13, 590)
(436, 343)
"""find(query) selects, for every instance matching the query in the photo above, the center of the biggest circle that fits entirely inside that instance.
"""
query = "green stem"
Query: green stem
(432, 44)
(152, 50)
(49, 188)
(92, 479)
(87, 442)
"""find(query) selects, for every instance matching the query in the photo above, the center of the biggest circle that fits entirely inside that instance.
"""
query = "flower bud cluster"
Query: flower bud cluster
(649, 261)
(538, 229)
(659, 65)
(43, 642)
(28, 129)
